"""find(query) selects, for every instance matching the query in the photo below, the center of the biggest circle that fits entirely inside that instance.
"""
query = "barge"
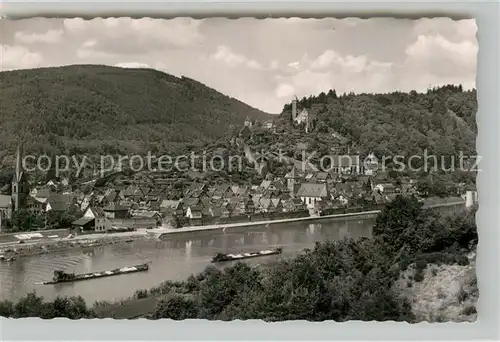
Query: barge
(63, 277)
(221, 257)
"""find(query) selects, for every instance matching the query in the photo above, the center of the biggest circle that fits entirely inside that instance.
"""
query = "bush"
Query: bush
(420, 264)
(419, 275)
(176, 307)
(139, 294)
(462, 295)
(469, 310)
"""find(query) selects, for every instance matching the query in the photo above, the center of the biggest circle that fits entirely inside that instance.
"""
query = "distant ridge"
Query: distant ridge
(103, 109)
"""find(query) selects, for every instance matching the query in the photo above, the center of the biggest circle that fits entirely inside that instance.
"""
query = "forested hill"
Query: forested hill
(102, 109)
(442, 120)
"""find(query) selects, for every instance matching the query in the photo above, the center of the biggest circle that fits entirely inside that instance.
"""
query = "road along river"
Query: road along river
(175, 257)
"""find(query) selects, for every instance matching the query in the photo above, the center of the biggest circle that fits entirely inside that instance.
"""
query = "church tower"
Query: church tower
(291, 180)
(20, 188)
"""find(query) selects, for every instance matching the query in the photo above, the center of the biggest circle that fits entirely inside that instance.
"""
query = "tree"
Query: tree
(176, 307)
(396, 225)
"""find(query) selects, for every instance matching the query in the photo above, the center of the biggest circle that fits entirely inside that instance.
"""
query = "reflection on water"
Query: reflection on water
(174, 258)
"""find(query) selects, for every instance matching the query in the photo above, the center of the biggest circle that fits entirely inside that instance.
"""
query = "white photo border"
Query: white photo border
(487, 16)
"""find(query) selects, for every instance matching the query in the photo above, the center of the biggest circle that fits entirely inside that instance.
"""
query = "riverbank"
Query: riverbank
(159, 232)
(35, 247)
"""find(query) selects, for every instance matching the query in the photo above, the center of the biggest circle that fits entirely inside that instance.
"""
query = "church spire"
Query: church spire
(19, 166)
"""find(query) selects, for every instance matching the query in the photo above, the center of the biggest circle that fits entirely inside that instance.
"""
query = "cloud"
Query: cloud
(133, 65)
(277, 58)
(285, 90)
(49, 37)
(75, 24)
(88, 51)
(224, 54)
(141, 35)
(454, 30)
(332, 58)
(439, 56)
(18, 57)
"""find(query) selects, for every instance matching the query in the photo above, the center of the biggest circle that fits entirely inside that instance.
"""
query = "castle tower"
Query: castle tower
(291, 180)
(20, 188)
(294, 108)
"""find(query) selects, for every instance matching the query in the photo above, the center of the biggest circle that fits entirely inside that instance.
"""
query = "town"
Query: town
(149, 199)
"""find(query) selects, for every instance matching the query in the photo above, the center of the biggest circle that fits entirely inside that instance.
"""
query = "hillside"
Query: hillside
(101, 109)
(442, 120)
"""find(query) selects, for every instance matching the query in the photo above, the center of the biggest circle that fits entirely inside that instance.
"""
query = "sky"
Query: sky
(262, 62)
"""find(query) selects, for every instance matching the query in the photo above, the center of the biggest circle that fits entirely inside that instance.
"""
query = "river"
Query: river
(175, 257)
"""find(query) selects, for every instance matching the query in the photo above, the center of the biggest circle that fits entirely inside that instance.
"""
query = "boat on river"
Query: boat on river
(221, 257)
(63, 277)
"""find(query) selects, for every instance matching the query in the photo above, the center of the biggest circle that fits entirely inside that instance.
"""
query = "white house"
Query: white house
(370, 164)
(102, 223)
(5, 209)
(193, 212)
(386, 188)
(311, 193)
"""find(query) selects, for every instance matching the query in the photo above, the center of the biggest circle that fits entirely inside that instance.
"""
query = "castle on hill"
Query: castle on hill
(305, 116)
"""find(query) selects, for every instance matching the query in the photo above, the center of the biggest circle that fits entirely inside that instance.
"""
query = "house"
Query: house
(310, 193)
(36, 205)
(345, 164)
(110, 196)
(93, 219)
(194, 212)
(214, 211)
(83, 224)
(293, 204)
(59, 202)
(277, 204)
(245, 133)
(248, 122)
(370, 165)
(266, 205)
(268, 124)
(5, 209)
(115, 210)
(169, 207)
(44, 192)
(322, 177)
(304, 117)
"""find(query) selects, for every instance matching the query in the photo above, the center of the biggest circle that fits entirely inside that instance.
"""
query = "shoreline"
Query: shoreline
(61, 245)
(159, 232)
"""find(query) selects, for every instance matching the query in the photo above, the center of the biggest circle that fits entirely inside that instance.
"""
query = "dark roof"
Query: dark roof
(245, 131)
(60, 202)
(115, 207)
(82, 221)
(45, 191)
(322, 175)
(98, 212)
(190, 201)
